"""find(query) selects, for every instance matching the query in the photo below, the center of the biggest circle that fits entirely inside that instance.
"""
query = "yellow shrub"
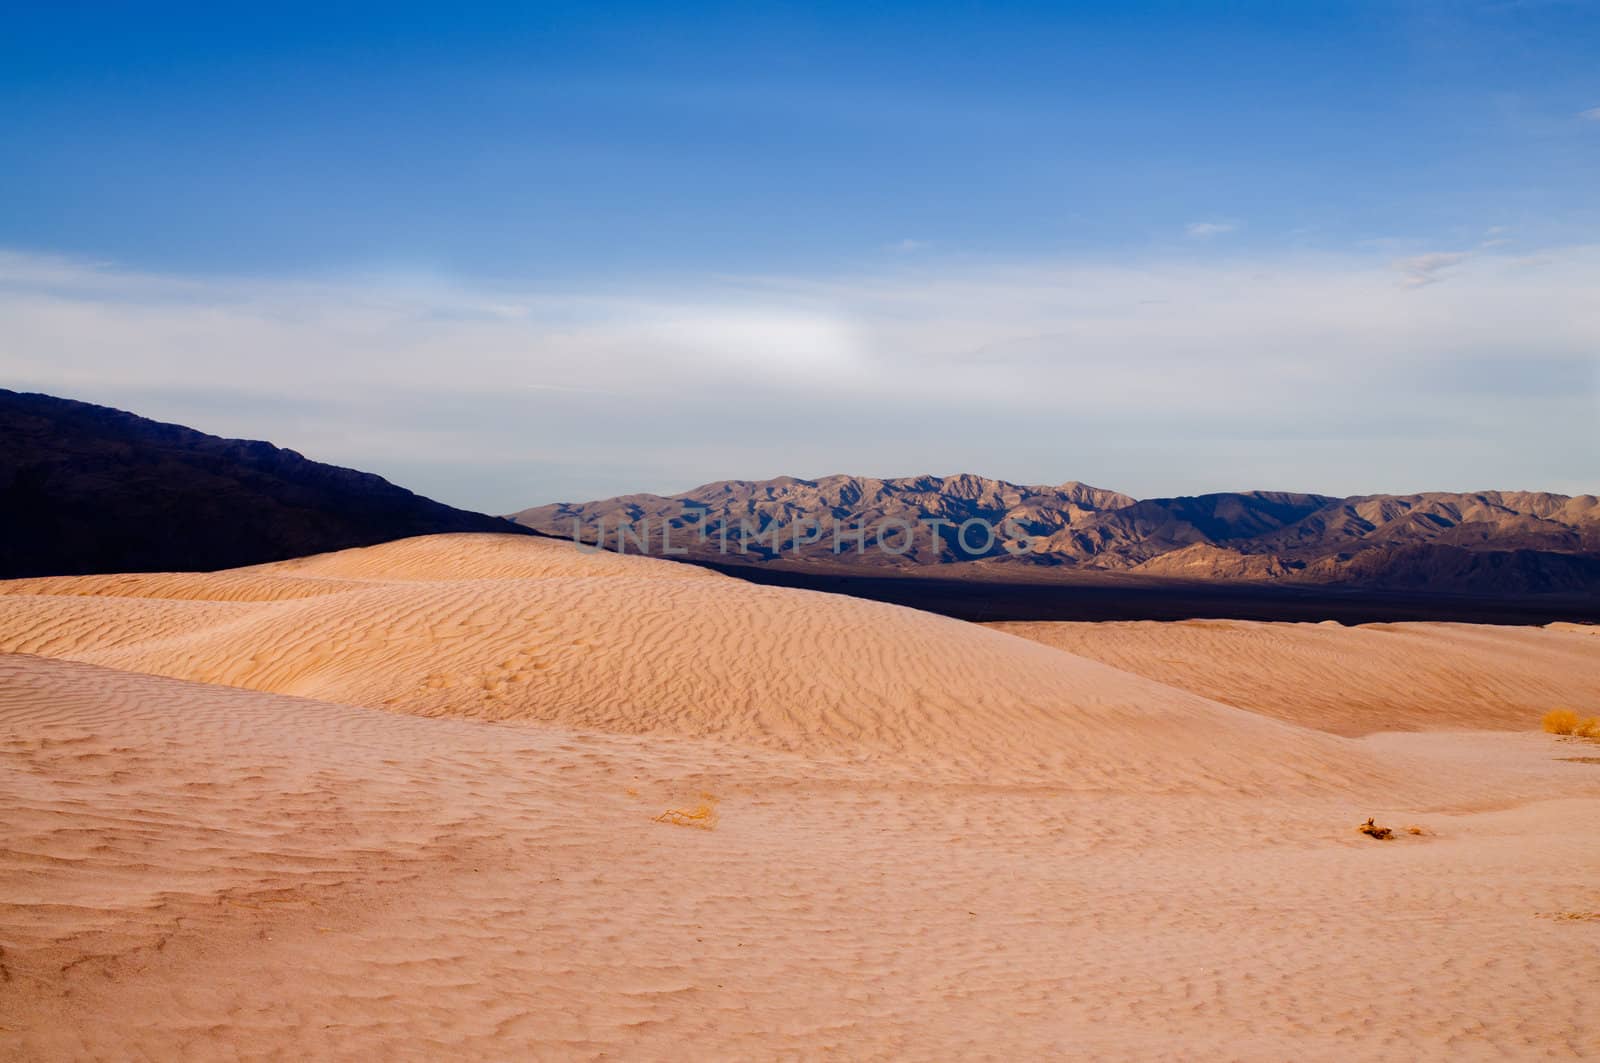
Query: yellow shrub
(1560, 721)
(1372, 830)
(1587, 728)
(703, 815)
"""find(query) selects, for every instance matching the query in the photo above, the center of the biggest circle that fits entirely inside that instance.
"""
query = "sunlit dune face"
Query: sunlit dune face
(504, 798)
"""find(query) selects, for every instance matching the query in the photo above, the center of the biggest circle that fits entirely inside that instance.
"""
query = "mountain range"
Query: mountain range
(89, 489)
(1477, 542)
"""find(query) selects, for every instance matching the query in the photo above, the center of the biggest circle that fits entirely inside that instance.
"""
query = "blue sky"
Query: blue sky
(689, 222)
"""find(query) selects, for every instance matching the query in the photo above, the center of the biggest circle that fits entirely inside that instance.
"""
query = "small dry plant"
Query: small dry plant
(703, 815)
(1567, 722)
(1372, 830)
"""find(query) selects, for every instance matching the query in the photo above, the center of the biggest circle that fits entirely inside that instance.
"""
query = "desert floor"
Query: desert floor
(485, 796)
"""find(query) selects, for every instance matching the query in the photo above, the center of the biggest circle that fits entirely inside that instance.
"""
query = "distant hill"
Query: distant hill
(88, 489)
(1490, 542)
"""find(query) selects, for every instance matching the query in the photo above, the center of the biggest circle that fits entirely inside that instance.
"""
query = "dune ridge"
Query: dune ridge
(407, 802)
(533, 630)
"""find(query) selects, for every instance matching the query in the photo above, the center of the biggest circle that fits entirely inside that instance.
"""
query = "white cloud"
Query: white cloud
(1151, 376)
(1205, 230)
(1423, 270)
(1495, 236)
(907, 246)
(1592, 114)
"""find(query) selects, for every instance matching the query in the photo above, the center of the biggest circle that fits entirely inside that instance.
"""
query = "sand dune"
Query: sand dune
(930, 840)
(1354, 680)
(510, 628)
(192, 871)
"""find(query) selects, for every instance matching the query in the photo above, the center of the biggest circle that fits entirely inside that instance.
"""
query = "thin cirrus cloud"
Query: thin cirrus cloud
(1205, 230)
(1160, 376)
(1422, 270)
(1591, 115)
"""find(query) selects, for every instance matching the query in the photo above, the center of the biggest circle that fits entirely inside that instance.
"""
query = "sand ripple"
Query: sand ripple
(931, 841)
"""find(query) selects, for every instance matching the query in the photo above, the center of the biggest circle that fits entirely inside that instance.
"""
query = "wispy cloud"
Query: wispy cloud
(500, 397)
(908, 245)
(1423, 270)
(1591, 115)
(1495, 236)
(1205, 230)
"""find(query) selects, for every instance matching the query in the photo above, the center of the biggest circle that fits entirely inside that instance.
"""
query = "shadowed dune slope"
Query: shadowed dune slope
(515, 629)
(1354, 680)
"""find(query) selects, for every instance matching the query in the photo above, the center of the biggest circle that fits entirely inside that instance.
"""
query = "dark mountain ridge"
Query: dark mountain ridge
(87, 488)
(1486, 542)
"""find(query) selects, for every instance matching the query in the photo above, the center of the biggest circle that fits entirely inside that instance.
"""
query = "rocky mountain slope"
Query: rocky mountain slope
(87, 489)
(1482, 542)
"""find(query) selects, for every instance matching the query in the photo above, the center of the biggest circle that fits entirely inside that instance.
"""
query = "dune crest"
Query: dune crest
(521, 629)
(477, 797)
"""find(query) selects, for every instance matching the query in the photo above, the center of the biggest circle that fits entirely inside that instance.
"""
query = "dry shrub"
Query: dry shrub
(1414, 829)
(1372, 830)
(1560, 721)
(1567, 722)
(703, 815)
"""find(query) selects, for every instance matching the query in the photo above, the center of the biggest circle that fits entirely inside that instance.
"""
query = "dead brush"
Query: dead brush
(1567, 722)
(702, 816)
(1372, 830)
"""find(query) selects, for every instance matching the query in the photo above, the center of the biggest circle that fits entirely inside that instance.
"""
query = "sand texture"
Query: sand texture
(475, 796)
(1354, 680)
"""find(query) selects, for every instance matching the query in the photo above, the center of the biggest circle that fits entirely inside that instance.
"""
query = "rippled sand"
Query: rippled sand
(403, 802)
